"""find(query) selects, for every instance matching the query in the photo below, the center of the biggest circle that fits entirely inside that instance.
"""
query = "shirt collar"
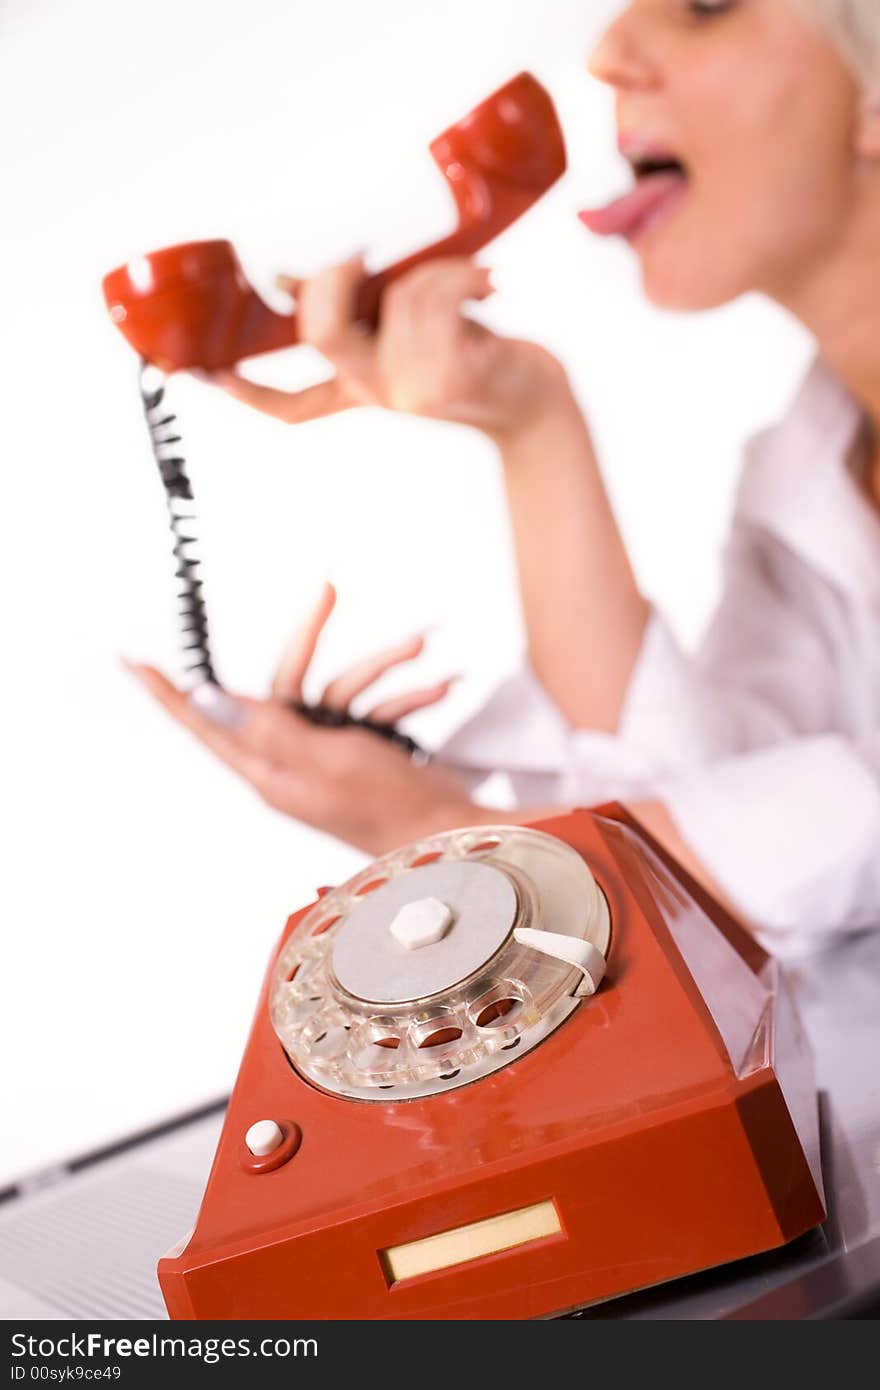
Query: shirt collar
(800, 482)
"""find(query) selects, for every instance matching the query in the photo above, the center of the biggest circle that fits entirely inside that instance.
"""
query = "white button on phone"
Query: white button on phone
(421, 923)
(263, 1138)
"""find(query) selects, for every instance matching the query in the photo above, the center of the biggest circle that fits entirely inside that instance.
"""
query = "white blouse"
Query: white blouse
(764, 743)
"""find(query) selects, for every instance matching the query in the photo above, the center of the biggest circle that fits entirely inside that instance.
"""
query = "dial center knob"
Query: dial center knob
(421, 923)
(424, 932)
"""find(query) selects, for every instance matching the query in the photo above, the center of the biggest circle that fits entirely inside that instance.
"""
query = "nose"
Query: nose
(621, 58)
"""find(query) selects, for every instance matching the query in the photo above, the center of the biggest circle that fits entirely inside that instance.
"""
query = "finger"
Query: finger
(326, 398)
(389, 711)
(443, 284)
(297, 657)
(291, 284)
(438, 301)
(327, 319)
(260, 736)
(266, 749)
(426, 341)
(222, 740)
(341, 691)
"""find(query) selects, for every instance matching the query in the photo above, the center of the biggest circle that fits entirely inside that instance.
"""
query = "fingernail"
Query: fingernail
(217, 706)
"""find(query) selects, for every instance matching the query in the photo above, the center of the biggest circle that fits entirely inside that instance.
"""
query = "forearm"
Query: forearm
(583, 612)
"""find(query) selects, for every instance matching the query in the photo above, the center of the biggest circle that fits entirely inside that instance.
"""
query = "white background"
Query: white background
(143, 886)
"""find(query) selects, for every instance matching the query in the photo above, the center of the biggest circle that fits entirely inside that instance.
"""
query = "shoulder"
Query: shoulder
(797, 492)
(805, 451)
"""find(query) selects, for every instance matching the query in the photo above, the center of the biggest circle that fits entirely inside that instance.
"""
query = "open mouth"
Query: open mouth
(646, 165)
(661, 179)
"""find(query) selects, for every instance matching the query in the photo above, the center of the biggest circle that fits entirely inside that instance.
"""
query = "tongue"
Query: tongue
(621, 217)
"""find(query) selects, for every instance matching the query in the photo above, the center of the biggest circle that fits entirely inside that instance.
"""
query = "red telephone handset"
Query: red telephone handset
(191, 306)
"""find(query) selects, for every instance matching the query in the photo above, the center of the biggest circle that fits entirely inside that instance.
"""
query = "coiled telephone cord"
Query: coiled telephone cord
(166, 440)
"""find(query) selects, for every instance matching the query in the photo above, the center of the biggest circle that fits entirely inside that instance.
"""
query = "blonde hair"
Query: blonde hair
(854, 26)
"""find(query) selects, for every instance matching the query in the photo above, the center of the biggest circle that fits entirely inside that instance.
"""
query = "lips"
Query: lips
(661, 181)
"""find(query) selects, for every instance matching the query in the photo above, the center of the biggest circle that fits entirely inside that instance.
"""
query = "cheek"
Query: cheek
(771, 184)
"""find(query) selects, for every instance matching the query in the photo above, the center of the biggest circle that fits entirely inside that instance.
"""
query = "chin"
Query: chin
(680, 271)
(676, 283)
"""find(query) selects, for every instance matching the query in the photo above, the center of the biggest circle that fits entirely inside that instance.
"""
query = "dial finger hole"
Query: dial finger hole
(485, 845)
(374, 1062)
(379, 1033)
(293, 1013)
(440, 1037)
(298, 973)
(370, 887)
(430, 857)
(497, 1012)
(329, 1044)
(324, 925)
(438, 1030)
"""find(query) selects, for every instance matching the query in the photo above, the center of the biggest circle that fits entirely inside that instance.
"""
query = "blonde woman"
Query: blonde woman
(753, 132)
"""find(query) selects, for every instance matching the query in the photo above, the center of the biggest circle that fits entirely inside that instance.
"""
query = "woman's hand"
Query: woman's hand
(345, 781)
(426, 357)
